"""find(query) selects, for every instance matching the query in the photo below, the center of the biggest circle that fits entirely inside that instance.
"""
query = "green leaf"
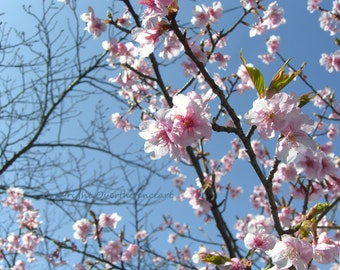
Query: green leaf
(337, 41)
(256, 77)
(316, 210)
(306, 98)
(215, 259)
(281, 79)
(305, 229)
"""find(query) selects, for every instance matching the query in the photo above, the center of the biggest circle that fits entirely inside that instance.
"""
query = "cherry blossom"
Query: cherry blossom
(273, 44)
(204, 14)
(331, 61)
(329, 23)
(273, 16)
(274, 114)
(174, 129)
(315, 165)
(93, 25)
(148, 38)
(191, 119)
(313, 5)
(82, 229)
(111, 251)
(121, 123)
(247, 83)
(198, 203)
(124, 21)
(325, 250)
(110, 221)
(19, 265)
(333, 131)
(172, 46)
(141, 235)
(291, 251)
(130, 252)
(266, 58)
(248, 4)
(157, 134)
(256, 238)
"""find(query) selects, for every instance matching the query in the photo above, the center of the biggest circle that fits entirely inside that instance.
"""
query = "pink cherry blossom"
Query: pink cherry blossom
(130, 252)
(325, 250)
(256, 238)
(313, 5)
(29, 219)
(29, 244)
(148, 38)
(286, 172)
(235, 192)
(110, 221)
(200, 17)
(215, 12)
(157, 134)
(248, 4)
(111, 252)
(121, 123)
(328, 22)
(221, 59)
(124, 20)
(93, 25)
(246, 83)
(12, 243)
(172, 238)
(291, 251)
(191, 119)
(331, 61)
(19, 265)
(315, 164)
(274, 114)
(333, 131)
(273, 44)
(273, 16)
(172, 47)
(266, 58)
(204, 14)
(233, 264)
(336, 6)
(141, 235)
(285, 217)
(82, 229)
(324, 94)
(16, 200)
(179, 180)
(198, 203)
(257, 28)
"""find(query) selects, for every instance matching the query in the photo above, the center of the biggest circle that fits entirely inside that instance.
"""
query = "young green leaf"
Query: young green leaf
(281, 79)
(316, 210)
(216, 259)
(306, 98)
(256, 77)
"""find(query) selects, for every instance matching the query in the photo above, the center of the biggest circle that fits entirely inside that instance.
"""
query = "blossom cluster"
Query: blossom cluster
(26, 240)
(112, 251)
(257, 234)
(329, 22)
(281, 113)
(178, 127)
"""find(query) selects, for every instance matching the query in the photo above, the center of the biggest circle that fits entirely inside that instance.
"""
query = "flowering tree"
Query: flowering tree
(284, 139)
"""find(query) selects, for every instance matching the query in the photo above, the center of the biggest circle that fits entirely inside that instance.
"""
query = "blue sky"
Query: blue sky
(301, 39)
